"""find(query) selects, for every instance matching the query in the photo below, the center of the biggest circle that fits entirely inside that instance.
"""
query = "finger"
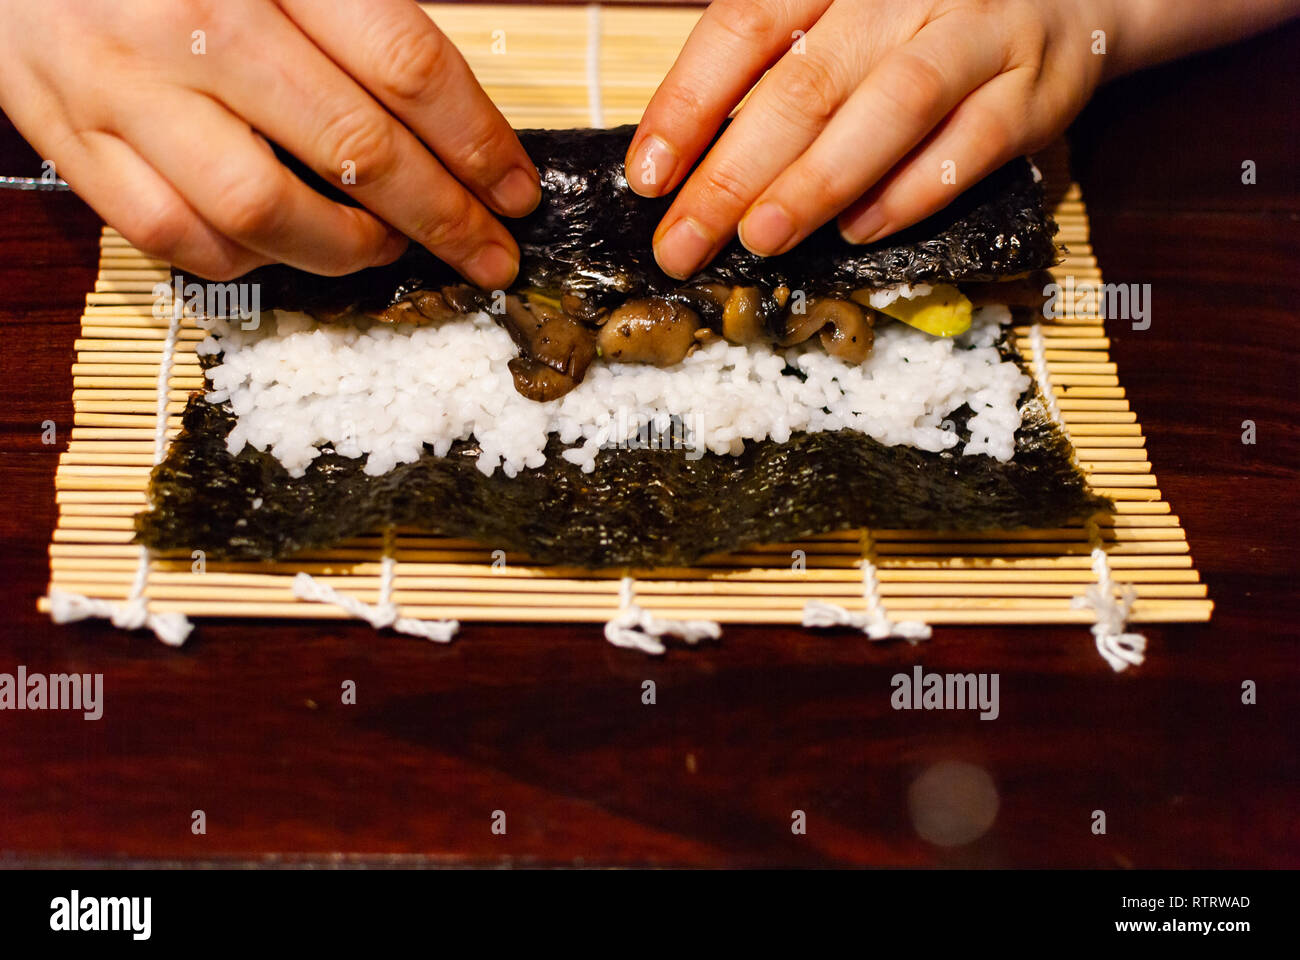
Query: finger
(727, 51)
(980, 135)
(783, 116)
(140, 204)
(900, 101)
(395, 52)
(320, 115)
(246, 193)
(128, 193)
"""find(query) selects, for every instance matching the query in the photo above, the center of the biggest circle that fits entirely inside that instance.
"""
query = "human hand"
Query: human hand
(881, 114)
(157, 112)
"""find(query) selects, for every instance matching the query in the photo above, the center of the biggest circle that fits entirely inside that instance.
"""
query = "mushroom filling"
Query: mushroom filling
(559, 335)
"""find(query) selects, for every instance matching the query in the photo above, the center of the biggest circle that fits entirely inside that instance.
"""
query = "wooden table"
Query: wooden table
(546, 723)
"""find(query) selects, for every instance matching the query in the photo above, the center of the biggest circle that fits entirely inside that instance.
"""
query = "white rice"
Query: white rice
(884, 296)
(384, 392)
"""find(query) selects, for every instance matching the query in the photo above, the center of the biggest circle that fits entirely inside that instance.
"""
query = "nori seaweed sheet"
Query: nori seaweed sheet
(640, 508)
(591, 233)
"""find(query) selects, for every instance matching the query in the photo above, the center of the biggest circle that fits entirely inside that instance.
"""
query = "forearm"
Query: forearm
(1153, 31)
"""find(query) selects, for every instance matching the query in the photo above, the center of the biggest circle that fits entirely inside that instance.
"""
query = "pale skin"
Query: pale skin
(164, 130)
(865, 105)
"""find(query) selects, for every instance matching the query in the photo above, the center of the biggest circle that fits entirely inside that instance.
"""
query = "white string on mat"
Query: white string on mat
(872, 619)
(1118, 647)
(133, 613)
(595, 103)
(1041, 375)
(635, 628)
(385, 612)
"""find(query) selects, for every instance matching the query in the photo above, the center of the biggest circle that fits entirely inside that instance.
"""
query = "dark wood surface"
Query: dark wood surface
(546, 722)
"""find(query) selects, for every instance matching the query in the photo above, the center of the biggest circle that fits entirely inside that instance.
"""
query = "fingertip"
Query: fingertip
(842, 227)
(864, 226)
(221, 269)
(492, 267)
(394, 246)
(651, 166)
(683, 248)
(767, 229)
(518, 192)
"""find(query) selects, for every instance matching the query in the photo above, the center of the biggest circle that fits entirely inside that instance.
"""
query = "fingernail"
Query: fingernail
(652, 167)
(683, 248)
(864, 227)
(394, 246)
(493, 267)
(767, 229)
(517, 193)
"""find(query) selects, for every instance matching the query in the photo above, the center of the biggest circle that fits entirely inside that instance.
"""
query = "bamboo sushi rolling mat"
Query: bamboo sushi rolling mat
(580, 66)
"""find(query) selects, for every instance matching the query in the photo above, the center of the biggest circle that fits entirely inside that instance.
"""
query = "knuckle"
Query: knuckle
(1026, 44)
(810, 91)
(682, 102)
(204, 9)
(187, 14)
(1035, 135)
(823, 188)
(161, 233)
(1049, 108)
(748, 20)
(481, 154)
(996, 134)
(157, 25)
(249, 206)
(724, 187)
(359, 136)
(918, 86)
(449, 229)
(410, 64)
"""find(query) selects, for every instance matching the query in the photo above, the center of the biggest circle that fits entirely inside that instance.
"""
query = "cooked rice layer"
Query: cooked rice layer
(385, 391)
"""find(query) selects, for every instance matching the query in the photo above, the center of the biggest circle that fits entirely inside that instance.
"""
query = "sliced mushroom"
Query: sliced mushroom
(845, 328)
(417, 307)
(463, 298)
(847, 332)
(584, 308)
(741, 322)
(800, 326)
(716, 293)
(546, 334)
(536, 381)
(653, 331)
(706, 299)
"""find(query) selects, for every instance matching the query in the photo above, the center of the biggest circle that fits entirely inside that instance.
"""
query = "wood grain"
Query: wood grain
(546, 722)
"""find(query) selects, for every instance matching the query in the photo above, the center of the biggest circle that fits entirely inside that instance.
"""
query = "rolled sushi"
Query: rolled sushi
(600, 413)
